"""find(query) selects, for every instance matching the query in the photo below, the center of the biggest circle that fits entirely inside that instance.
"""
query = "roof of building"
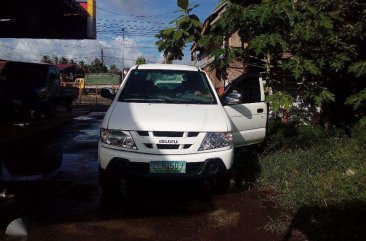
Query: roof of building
(62, 67)
(210, 20)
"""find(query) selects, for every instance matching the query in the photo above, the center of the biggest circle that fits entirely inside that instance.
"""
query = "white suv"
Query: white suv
(166, 121)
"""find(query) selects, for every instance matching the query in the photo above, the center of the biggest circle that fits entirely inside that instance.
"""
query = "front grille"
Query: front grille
(193, 134)
(143, 133)
(169, 147)
(168, 134)
(170, 141)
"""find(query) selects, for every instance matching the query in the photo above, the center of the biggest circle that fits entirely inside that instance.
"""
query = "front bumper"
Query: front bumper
(137, 165)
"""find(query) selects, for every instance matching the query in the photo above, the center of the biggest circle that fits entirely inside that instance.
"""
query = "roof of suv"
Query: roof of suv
(166, 67)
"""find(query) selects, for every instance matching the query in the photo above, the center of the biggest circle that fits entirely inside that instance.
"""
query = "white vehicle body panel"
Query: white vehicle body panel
(168, 117)
(249, 120)
(249, 126)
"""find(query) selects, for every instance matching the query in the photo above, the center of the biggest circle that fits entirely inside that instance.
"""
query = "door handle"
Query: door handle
(260, 110)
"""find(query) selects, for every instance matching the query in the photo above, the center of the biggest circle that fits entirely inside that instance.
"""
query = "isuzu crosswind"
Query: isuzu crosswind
(167, 122)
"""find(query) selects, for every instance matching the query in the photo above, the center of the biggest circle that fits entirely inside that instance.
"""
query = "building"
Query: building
(51, 19)
(201, 57)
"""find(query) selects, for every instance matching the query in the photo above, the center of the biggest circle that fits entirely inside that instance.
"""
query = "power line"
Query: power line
(129, 21)
(131, 15)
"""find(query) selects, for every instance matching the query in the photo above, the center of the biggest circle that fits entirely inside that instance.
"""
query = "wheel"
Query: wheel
(113, 185)
(38, 114)
(50, 110)
(221, 184)
(68, 104)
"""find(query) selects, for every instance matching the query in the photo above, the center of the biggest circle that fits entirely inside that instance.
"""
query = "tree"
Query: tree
(63, 60)
(113, 69)
(316, 43)
(187, 29)
(46, 59)
(140, 60)
(97, 67)
(55, 60)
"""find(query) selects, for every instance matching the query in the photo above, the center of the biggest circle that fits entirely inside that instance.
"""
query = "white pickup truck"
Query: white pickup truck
(167, 122)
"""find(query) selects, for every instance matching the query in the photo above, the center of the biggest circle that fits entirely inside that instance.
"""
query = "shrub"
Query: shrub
(314, 169)
(292, 136)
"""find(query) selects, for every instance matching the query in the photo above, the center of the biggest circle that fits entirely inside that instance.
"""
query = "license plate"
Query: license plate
(167, 167)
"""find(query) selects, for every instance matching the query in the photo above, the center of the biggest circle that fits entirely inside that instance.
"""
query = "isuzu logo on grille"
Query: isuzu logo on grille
(168, 141)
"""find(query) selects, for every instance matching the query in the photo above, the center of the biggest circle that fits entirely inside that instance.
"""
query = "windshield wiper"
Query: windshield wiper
(192, 102)
(153, 100)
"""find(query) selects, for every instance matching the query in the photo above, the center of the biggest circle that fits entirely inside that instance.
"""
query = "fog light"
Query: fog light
(212, 167)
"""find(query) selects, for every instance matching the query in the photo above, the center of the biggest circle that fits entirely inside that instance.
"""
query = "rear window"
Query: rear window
(167, 86)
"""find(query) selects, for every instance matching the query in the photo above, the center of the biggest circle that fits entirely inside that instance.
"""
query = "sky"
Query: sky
(140, 19)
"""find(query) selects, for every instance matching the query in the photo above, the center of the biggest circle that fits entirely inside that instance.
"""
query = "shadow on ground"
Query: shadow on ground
(331, 223)
(246, 168)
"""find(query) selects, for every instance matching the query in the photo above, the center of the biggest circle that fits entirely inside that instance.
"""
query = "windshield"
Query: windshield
(23, 74)
(167, 86)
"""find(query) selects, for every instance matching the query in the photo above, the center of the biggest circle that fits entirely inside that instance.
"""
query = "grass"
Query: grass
(309, 167)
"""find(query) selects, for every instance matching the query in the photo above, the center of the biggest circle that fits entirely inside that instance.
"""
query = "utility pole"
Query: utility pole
(123, 53)
(102, 56)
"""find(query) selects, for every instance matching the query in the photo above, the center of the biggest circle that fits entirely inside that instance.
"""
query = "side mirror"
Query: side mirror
(231, 100)
(107, 93)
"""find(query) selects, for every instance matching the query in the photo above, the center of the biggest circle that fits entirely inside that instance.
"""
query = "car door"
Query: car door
(244, 103)
(53, 82)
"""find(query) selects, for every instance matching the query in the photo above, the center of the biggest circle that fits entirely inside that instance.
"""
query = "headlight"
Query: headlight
(214, 140)
(117, 138)
(42, 93)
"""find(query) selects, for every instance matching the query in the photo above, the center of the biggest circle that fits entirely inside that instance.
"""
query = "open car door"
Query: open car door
(244, 103)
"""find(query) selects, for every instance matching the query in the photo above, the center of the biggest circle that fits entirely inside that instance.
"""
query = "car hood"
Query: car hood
(167, 117)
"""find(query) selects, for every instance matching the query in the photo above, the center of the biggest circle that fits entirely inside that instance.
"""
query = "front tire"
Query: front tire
(113, 185)
(221, 184)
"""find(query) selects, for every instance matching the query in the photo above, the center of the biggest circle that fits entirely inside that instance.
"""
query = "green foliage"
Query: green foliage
(183, 4)
(358, 100)
(319, 96)
(358, 68)
(46, 59)
(186, 29)
(63, 60)
(265, 42)
(96, 66)
(140, 60)
(299, 67)
(280, 101)
(113, 69)
(292, 136)
(359, 131)
(317, 43)
(326, 170)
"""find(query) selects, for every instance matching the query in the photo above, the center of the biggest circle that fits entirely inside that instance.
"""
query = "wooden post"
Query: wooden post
(96, 94)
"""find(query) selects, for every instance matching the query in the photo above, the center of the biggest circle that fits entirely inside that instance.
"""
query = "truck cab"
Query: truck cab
(30, 87)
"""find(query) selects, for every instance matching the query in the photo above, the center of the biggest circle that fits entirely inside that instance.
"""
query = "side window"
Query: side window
(249, 90)
(53, 76)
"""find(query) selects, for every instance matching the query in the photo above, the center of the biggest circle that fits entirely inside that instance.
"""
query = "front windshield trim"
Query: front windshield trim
(209, 98)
